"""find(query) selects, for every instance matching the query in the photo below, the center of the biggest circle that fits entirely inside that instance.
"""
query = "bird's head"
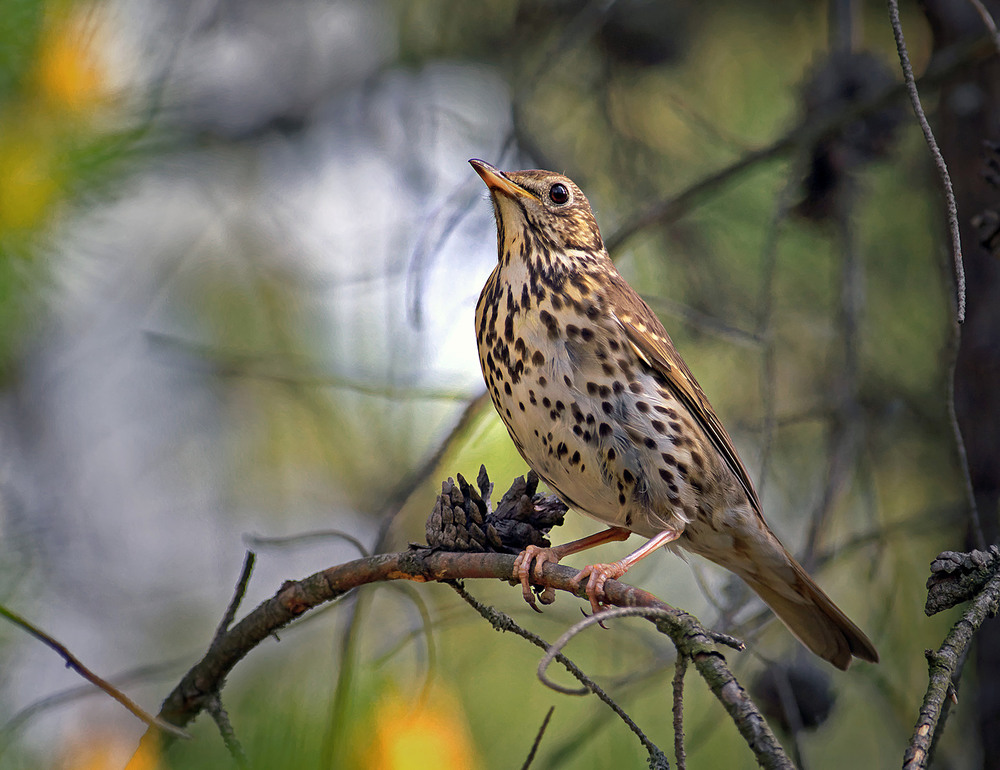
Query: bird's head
(540, 212)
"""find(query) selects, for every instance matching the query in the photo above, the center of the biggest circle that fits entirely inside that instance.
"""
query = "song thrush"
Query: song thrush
(605, 410)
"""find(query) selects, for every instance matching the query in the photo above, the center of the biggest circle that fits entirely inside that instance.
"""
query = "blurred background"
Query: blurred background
(240, 250)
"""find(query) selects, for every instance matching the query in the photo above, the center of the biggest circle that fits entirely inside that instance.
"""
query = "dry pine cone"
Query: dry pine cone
(462, 519)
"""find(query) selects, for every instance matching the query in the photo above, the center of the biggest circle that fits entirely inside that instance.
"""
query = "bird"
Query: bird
(601, 405)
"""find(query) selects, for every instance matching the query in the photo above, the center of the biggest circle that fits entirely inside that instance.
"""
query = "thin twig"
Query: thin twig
(503, 622)
(847, 423)
(694, 641)
(74, 663)
(281, 541)
(413, 482)
(976, 524)
(538, 739)
(987, 18)
(958, 267)
(138, 675)
(942, 167)
(673, 208)
(680, 755)
(650, 613)
(238, 593)
(218, 713)
(704, 322)
(790, 709)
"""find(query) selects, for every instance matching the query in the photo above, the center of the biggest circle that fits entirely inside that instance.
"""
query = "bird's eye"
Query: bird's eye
(558, 193)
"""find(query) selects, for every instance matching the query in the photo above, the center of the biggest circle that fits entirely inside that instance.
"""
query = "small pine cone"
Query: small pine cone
(462, 520)
(457, 521)
(957, 577)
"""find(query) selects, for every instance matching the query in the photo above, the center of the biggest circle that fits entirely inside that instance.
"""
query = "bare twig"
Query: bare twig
(221, 718)
(942, 167)
(975, 523)
(137, 675)
(650, 613)
(944, 665)
(238, 593)
(704, 322)
(987, 18)
(74, 663)
(847, 423)
(412, 482)
(697, 643)
(538, 739)
(303, 537)
(680, 755)
(503, 622)
(426, 627)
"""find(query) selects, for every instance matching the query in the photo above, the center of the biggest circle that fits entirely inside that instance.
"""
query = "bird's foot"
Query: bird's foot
(523, 573)
(596, 576)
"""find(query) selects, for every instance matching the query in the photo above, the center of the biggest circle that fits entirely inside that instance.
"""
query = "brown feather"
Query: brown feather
(654, 346)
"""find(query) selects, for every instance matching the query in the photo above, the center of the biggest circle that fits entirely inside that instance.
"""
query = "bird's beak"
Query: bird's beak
(497, 181)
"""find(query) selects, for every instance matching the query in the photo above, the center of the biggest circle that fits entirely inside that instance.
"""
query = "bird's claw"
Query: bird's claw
(523, 573)
(597, 575)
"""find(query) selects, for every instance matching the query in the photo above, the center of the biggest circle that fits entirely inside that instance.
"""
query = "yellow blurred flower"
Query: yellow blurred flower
(420, 734)
(28, 184)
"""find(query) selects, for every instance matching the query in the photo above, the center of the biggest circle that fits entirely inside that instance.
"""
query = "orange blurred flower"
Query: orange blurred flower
(100, 749)
(71, 72)
(420, 734)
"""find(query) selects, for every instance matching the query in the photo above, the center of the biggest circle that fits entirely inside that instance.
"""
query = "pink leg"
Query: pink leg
(542, 556)
(598, 574)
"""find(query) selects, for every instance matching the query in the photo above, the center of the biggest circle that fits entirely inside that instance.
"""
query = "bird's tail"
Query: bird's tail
(802, 606)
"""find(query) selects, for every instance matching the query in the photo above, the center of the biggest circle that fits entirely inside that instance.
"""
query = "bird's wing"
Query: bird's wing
(653, 345)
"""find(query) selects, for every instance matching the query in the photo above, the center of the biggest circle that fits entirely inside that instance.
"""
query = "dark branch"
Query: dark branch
(221, 718)
(945, 663)
(538, 739)
(205, 679)
(238, 593)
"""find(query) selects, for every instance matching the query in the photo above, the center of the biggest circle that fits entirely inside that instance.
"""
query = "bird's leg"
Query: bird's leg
(542, 556)
(598, 574)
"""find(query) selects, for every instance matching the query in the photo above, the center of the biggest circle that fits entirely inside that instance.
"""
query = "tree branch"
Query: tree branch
(945, 663)
(205, 679)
